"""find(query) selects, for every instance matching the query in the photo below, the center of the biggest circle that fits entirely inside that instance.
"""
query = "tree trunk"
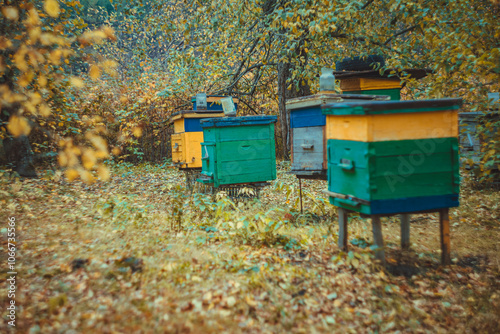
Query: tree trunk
(18, 152)
(284, 73)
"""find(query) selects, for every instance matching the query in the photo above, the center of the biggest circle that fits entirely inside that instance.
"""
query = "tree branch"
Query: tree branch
(404, 31)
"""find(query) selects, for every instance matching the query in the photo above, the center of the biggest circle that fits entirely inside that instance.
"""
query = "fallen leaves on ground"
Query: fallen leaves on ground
(143, 254)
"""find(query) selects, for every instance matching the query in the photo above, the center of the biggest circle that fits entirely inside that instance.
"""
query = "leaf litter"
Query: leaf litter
(142, 254)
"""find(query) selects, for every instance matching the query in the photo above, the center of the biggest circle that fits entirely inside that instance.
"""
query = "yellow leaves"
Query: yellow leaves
(20, 59)
(96, 36)
(26, 78)
(71, 174)
(42, 80)
(99, 143)
(137, 131)
(76, 82)
(18, 126)
(51, 7)
(103, 173)
(11, 13)
(71, 156)
(89, 159)
(94, 72)
(50, 39)
(116, 151)
(34, 34)
(33, 19)
(109, 66)
(55, 57)
(44, 110)
(109, 32)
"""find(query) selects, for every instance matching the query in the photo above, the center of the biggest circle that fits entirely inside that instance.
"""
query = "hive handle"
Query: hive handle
(205, 155)
(349, 202)
(346, 164)
(307, 146)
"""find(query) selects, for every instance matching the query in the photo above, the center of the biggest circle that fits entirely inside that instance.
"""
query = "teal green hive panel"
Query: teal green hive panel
(238, 150)
(393, 176)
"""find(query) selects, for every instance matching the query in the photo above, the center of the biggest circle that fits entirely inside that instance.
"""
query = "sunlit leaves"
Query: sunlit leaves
(52, 7)
(11, 13)
(137, 131)
(94, 72)
(18, 126)
(76, 82)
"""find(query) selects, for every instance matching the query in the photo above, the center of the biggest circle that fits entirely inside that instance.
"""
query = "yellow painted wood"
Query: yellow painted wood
(351, 84)
(186, 149)
(204, 115)
(195, 115)
(369, 128)
(179, 125)
(177, 141)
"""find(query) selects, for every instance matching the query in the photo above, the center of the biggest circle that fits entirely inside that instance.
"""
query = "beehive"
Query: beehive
(372, 86)
(393, 156)
(307, 128)
(238, 150)
(213, 102)
(187, 137)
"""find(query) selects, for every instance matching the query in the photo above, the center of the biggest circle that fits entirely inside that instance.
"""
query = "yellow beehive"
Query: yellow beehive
(188, 136)
(354, 84)
(392, 120)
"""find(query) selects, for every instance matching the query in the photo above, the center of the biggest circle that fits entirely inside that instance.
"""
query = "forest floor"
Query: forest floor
(141, 254)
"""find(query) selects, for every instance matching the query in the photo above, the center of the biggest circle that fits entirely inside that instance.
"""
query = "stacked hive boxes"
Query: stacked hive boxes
(372, 86)
(307, 128)
(238, 150)
(187, 137)
(388, 157)
(188, 134)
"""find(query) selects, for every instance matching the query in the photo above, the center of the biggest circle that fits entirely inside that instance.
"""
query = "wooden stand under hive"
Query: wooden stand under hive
(238, 153)
(393, 157)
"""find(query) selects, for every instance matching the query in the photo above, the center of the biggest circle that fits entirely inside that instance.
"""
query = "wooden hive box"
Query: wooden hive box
(307, 129)
(187, 137)
(393, 156)
(238, 150)
(372, 86)
(213, 102)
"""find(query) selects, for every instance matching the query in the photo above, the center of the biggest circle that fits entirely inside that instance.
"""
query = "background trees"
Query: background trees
(263, 51)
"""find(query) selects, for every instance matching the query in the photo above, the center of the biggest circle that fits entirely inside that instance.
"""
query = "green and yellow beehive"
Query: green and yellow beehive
(393, 156)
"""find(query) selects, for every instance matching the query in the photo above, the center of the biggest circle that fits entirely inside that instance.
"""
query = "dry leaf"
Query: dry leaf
(18, 126)
(52, 7)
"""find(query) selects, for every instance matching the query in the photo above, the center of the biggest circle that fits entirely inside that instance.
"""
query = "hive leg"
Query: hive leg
(378, 239)
(405, 230)
(342, 229)
(300, 195)
(444, 227)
